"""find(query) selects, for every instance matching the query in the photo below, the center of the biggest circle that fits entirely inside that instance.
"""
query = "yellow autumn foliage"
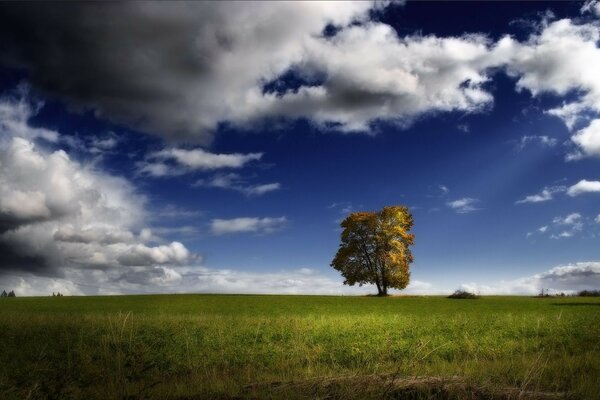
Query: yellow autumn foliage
(375, 248)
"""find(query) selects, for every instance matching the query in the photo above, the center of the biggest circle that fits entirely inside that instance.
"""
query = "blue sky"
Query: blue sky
(215, 147)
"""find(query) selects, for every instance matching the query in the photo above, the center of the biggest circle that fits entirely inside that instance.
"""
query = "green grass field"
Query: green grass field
(219, 346)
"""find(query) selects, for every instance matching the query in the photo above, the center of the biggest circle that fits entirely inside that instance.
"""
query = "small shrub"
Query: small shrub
(463, 294)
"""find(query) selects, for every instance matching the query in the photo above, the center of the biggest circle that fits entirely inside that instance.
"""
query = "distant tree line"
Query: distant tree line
(589, 293)
(57, 294)
(463, 294)
(9, 294)
(581, 293)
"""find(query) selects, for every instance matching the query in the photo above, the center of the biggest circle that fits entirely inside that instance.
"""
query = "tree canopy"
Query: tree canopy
(375, 248)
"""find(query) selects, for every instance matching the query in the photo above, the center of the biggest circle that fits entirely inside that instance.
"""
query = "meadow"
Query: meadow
(254, 346)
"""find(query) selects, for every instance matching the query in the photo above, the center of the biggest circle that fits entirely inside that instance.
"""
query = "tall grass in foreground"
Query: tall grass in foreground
(209, 346)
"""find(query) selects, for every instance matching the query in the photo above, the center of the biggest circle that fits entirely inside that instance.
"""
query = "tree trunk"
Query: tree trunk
(379, 291)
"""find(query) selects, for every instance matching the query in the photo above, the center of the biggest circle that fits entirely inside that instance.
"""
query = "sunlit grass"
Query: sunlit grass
(209, 346)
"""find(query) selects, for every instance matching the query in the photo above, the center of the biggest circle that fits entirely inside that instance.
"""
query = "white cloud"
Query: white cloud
(234, 181)
(174, 161)
(560, 58)
(189, 66)
(57, 213)
(569, 278)
(591, 6)
(542, 140)
(247, 224)
(568, 226)
(226, 54)
(563, 227)
(570, 219)
(545, 195)
(142, 255)
(584, 186)
(164, 279)
(587, 140)
(464, 205)
(597, 219)
(371, 73)
(15, 113)
(259, 190)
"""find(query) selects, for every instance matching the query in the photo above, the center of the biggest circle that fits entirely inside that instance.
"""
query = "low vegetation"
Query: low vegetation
(463, 294)
(299, 347)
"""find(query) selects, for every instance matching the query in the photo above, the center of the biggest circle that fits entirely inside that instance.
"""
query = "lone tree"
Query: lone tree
(375, 248)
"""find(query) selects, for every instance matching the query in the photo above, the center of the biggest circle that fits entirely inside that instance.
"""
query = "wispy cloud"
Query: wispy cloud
(247, 225)
(464, 205)
(172, 211)
(545, 195)
(541, 140)
(176, 161)
(591, 6)
(562, 227)
(235, 182)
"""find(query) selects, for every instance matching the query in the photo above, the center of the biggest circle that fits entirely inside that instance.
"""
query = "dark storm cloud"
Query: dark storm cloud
(16, 259)
(108, 56)
(173, 69)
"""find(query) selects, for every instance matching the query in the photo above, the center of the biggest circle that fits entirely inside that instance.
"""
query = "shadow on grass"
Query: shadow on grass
(390, 386)
(576, 304)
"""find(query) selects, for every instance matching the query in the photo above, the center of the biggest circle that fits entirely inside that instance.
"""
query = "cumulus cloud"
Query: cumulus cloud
(545, 195)
(163, 279)
(57, 213)
(370, 73)
(584, 186)
(591, 6)
(192, 66)
(569, 278)
(464, 205)
(234, 181)
(558, 59)
(174, 69)
(140, 255)
(247, 224)
(173, 161)
(561, 59)
(587, 140)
